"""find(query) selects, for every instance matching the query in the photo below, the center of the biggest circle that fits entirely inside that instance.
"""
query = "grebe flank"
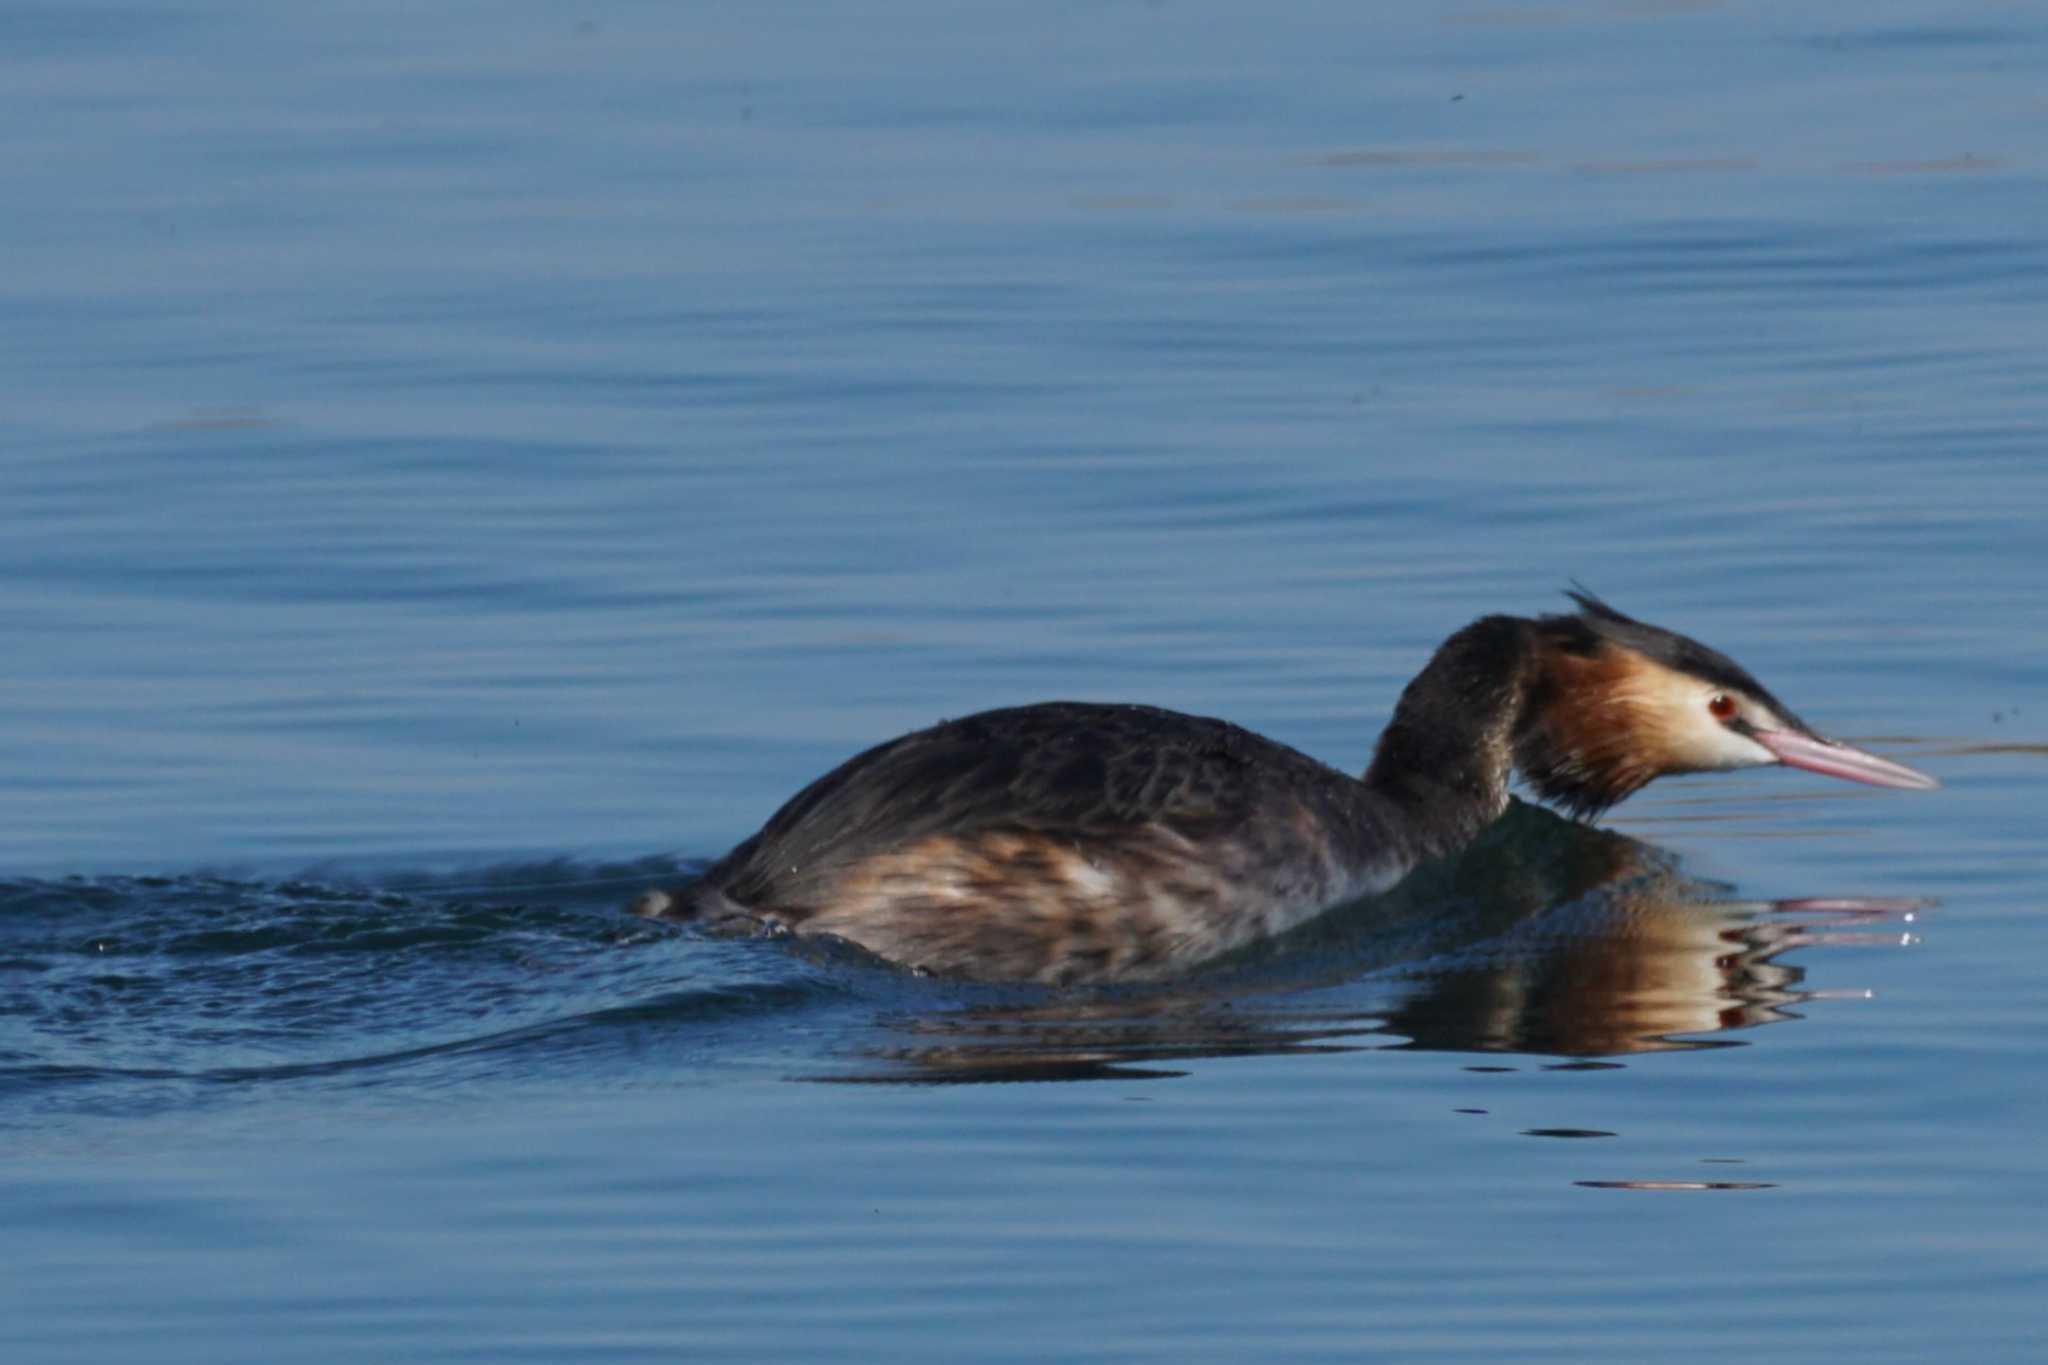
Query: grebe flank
(1073, 841)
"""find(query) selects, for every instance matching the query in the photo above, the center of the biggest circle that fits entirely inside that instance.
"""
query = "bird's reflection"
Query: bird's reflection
(1545, 937)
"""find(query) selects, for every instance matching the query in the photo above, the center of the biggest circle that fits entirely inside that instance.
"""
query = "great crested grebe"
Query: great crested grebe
(1073, 841)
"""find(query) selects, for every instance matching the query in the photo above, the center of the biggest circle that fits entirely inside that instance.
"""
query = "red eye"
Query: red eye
(1721, 706)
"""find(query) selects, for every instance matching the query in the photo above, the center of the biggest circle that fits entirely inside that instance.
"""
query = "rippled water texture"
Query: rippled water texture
(462, 466)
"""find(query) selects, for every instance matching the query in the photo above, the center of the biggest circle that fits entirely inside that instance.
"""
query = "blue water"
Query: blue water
(463, 464)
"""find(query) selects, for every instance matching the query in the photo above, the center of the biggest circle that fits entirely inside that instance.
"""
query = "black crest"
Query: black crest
(1667, 647)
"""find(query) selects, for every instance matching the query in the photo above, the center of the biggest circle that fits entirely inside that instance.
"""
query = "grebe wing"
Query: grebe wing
(1071, 768)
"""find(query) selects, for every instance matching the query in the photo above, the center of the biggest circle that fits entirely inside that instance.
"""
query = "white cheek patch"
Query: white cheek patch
(1724, 748)
(1671, 709)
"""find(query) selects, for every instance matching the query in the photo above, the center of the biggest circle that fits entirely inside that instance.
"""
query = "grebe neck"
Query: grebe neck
(1444, 760)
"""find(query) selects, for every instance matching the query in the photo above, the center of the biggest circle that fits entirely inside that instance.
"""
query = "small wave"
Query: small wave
(139, 992)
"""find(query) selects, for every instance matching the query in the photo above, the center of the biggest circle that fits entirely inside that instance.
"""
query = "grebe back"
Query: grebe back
(1075, 841)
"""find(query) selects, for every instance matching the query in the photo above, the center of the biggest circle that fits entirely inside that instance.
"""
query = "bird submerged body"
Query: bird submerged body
(1065, 839)
(1071, 841)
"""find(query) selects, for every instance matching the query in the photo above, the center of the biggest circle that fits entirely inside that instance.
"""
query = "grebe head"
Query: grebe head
(1615, 702)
